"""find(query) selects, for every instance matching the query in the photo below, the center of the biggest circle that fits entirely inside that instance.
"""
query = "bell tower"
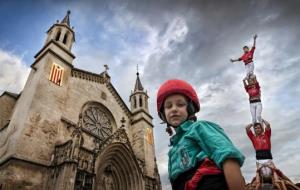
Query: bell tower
(59, 41)
(45, 89)
(139, 97)
(142, 129)
(62, 33)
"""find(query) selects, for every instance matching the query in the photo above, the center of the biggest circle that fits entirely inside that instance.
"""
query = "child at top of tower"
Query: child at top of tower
(247, 58)
(201, 154)
(253, 89)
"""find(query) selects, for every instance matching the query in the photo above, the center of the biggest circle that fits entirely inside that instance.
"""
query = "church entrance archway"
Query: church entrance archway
(117, 169)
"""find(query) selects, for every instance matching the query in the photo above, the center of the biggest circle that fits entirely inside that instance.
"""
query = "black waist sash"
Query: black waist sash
(179, 182)
(254, 101)
(263, 154)
(209, 182)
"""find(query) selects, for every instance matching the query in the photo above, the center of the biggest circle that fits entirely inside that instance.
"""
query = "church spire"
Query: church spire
(66, 19)
(139, 97)
(61, 33)
(138, 84)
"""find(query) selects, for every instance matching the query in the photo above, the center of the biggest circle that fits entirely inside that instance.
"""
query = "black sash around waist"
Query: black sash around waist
(209, 182)
(263, 154)
(254, 101)
(179, 182)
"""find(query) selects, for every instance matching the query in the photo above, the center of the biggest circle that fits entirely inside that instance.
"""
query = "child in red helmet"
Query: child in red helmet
(201, 155)
(247, 58)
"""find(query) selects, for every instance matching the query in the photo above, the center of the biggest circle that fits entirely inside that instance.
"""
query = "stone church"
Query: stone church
(70, 129)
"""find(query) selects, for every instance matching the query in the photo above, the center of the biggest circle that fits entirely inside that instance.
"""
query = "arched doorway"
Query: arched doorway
(117, 169)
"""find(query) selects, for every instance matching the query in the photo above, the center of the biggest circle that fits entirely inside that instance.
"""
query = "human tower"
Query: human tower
(261, 137)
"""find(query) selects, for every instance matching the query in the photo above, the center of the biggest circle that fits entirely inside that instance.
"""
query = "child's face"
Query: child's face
(175, 108)
(246, 49)
(251, 81)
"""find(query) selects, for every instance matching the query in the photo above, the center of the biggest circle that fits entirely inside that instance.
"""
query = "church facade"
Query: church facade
(69, 128)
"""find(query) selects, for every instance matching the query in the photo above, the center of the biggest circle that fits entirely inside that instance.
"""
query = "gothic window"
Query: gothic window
(146, 102)
(56, 74)
(134, 102)
(57, 36)
(83, 181)
(141, 101)
(97, 122)
(65, 38)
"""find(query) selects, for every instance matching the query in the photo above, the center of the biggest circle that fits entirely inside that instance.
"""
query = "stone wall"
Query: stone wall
(23, 175)
(7, 103)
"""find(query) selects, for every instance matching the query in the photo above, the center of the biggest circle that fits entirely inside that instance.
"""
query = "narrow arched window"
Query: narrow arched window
(134, 102)
(141, 101)
(146, 103)
(57, 35)
(65, 38)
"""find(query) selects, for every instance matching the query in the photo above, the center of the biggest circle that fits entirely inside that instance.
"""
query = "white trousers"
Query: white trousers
(256, 109)
(261, 164)
(249, 69)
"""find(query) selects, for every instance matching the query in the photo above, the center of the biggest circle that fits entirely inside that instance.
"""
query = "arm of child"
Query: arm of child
(245, 84)
(234, 60)
(254, 40)
(215, 143)
(218, 147)
(233, 175)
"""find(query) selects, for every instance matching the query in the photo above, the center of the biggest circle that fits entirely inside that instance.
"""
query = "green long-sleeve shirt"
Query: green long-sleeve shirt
(195, 141)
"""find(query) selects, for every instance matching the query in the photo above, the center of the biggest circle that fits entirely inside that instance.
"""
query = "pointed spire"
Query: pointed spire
(138, 84)
(66, 20)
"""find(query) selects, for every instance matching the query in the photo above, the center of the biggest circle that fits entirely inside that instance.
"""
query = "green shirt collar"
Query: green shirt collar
(180, 130)
(183, 126)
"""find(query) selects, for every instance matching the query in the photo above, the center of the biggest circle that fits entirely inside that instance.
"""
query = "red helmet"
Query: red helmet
(176, 86)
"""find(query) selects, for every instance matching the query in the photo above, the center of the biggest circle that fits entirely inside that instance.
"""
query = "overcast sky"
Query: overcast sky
(190, 40)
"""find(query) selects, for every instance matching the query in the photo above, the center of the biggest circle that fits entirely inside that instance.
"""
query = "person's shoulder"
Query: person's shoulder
(205, 123)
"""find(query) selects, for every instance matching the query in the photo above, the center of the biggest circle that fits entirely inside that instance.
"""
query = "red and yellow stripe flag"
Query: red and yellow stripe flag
(56, 74)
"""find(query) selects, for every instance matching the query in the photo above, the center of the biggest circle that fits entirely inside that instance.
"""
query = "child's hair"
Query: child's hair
(169, 130)
(245, 47)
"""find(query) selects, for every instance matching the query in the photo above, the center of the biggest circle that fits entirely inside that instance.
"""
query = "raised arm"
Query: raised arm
(268, 126)
(234, 60)
(248, 127)
(245, 84)
(254, 40)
